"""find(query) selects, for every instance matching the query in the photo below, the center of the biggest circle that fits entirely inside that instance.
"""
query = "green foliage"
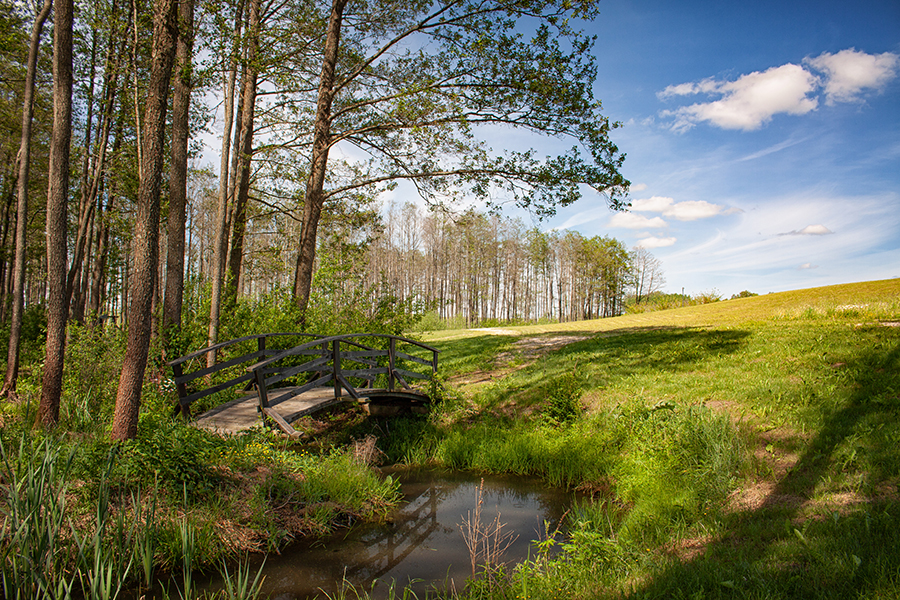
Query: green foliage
(563, 398)
(674, 463)
(33, 557)
(91, 376)
(743, 294)
(166, 453)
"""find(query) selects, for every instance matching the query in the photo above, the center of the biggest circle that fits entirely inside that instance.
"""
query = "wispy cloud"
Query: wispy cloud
(772, 149)
(754, 99)
(810, 230)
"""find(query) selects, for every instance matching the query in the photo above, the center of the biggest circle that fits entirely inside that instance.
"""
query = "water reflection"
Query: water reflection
(421, 543)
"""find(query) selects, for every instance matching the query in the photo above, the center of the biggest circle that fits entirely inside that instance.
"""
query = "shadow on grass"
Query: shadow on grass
(621, 351)
(778, 548)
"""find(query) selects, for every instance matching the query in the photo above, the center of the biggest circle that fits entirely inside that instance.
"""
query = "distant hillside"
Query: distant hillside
(871, 300)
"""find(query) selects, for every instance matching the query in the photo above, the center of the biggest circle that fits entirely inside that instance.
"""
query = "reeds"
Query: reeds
(48, 552)
(486, 542)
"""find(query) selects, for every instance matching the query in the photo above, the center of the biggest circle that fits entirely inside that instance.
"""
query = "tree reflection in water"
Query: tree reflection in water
(421, 543)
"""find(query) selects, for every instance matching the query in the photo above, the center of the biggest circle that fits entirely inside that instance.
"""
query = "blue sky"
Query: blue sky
(762, 140)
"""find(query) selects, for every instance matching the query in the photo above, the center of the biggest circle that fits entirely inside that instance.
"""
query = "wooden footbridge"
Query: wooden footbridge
(270, 376)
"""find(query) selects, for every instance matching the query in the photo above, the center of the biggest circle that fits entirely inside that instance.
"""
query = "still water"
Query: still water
(421, 542)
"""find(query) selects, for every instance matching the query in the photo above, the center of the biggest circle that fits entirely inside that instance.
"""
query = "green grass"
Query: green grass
(746, 448)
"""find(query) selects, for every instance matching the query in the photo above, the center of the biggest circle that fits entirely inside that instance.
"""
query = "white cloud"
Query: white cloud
(652, 204)
(693, 210)
(815, 230)
(706, 86)
(850, 72)
(639, 187)
(655, 242)
(752, 100)
(810, 230)
(805, 266)
(690, 210)
(633, 221)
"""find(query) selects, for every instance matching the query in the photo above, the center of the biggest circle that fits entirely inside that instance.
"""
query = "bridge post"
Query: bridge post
(336, 364)
(261, 390)
(392, 352)
(183, 409)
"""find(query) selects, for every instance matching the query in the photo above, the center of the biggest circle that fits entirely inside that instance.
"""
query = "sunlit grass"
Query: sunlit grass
(747, 448)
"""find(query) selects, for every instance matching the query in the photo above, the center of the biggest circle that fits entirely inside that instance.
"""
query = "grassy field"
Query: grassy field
(741, 449)
(747, 448)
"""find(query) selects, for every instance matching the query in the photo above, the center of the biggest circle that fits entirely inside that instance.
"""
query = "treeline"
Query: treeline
(481, 267)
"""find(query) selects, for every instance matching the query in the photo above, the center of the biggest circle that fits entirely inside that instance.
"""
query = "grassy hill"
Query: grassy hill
(873, 299)
(746, 448)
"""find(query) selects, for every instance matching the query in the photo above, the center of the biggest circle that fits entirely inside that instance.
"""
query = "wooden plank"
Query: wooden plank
(350, 389)
(214, 347)
(279, 420)
(290, 418)
(270, 381)
(364, 373)
(364, 354)
(218, 388)
(294, 391)
(243, 413)
(412, 374)
(218, 367)
(412, 358)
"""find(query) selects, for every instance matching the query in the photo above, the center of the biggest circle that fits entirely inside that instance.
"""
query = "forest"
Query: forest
(316, 110)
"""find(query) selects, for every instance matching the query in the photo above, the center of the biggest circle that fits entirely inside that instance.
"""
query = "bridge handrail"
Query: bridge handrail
(220, 345)
(343, 337)
(181, 378)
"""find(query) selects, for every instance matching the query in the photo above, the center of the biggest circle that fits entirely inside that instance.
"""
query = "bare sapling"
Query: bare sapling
(486, 542)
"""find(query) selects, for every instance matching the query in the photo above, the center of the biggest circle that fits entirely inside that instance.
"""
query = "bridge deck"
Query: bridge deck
(241, 413)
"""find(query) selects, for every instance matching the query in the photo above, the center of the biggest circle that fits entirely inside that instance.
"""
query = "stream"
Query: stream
(420, 544)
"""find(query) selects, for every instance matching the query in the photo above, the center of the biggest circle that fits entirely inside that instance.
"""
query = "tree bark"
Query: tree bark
(145, 244)
(24, 159)
(57, 200)
(178, 171)
(315, 197)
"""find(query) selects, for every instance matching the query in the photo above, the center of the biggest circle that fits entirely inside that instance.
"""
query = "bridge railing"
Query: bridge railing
(231, 367)
(338, 360)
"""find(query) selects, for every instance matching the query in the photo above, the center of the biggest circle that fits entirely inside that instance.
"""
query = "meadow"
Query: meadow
(748, 448)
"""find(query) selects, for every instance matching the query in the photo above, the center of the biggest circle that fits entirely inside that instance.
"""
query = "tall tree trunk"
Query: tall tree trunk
(244, 155)
(178, 173)
(7, 249)
(218, 264)
(18, 301)
(92, 177)
(319, 165)
(145, 244)
(99, 274)
(57, 200)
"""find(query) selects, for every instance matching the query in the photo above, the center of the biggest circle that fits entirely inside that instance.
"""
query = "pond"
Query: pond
(421, 543)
